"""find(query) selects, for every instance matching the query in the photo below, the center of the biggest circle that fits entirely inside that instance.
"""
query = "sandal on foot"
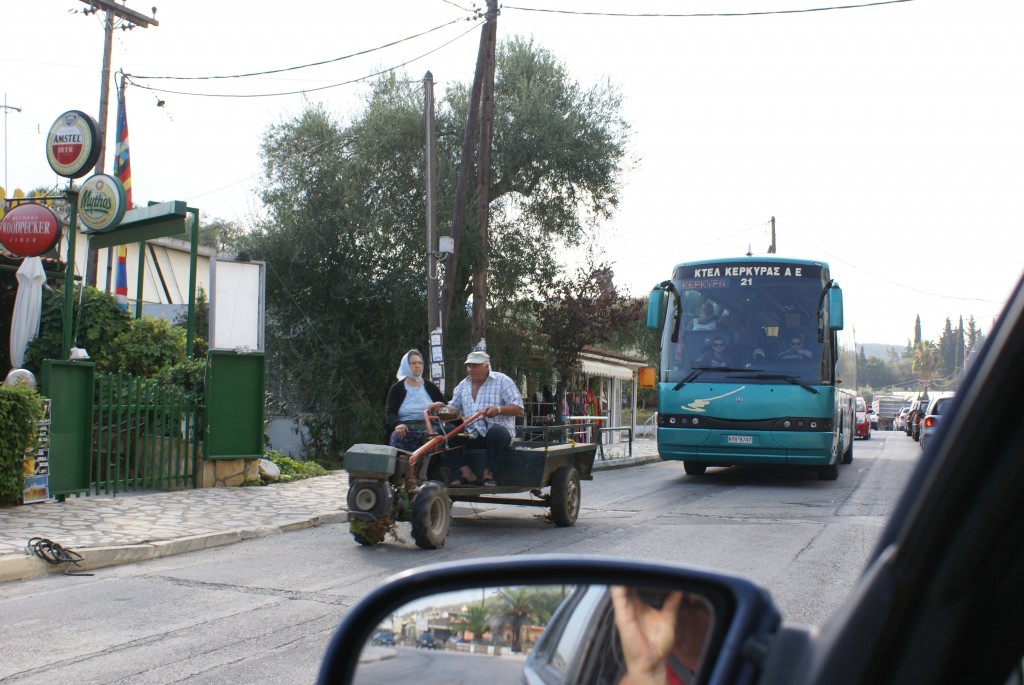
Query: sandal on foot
(489, 483)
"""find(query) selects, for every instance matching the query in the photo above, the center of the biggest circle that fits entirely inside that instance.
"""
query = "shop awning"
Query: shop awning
(606, 370)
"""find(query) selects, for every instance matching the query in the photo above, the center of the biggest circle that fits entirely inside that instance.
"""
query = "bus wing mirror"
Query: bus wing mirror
(835, 308)
(656, 308)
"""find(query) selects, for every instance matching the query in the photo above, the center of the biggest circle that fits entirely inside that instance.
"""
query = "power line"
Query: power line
(703, 14)
(302, 91)
(891, 282)
(301, 66)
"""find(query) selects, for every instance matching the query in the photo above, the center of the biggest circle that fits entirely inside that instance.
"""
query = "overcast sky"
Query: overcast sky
(886, 140)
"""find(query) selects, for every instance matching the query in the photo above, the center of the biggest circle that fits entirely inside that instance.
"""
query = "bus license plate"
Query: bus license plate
(740, 439)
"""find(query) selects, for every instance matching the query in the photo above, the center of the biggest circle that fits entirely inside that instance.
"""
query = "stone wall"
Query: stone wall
(226, 473)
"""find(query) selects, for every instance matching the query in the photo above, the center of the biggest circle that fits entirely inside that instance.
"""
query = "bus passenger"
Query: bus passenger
(716, 356)
(796, 349)
(706, 320)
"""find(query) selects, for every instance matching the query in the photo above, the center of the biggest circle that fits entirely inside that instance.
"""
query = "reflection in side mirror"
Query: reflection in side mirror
(549, 619)
(549, 633)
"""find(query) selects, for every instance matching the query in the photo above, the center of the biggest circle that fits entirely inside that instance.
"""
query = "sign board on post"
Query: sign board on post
(30, 230)
(73, 144)
(102, 202)
(237, 305)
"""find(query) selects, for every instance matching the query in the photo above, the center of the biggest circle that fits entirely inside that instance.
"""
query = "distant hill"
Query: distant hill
(880, 350)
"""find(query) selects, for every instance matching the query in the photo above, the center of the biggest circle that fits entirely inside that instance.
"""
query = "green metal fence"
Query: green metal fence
(145, 436)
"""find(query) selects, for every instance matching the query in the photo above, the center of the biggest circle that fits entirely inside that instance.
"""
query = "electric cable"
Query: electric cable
(53, 553)
(704, 14)
(300, 66)
(302, 91)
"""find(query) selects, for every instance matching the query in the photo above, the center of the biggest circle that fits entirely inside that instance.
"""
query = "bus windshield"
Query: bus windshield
(748, 321)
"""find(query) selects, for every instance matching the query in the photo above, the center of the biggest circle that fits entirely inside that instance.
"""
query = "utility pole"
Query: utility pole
(7, 108)
(487, 35)
(433, 311)
(479, 330)
(435, 351)
(462, 182)
(131, 19)
(771, 248)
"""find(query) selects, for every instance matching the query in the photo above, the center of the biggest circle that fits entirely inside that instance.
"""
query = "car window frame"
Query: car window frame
(939, 589)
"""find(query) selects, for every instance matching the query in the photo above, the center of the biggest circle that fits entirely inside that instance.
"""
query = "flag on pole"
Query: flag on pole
(121, 288)
(122, 163)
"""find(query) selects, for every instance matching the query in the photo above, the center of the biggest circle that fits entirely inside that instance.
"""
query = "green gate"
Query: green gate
(146, 436)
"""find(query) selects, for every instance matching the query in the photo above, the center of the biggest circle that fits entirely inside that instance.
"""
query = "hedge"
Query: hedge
(20, 412)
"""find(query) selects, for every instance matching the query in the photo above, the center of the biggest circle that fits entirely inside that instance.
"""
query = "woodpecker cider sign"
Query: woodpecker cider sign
(30, 230)
(73, 144)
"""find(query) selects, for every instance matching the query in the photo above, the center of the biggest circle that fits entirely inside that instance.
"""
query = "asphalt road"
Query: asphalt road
(263, 610)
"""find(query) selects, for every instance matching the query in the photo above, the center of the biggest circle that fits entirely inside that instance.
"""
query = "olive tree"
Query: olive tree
(344, 237)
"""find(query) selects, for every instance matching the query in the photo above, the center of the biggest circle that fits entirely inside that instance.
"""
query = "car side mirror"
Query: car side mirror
(549, 619)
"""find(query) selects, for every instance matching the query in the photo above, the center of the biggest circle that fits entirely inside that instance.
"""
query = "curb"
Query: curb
(14, 567)
(27, 565)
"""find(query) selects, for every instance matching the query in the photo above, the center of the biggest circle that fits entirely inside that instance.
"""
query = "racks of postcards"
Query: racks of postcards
(37, 461)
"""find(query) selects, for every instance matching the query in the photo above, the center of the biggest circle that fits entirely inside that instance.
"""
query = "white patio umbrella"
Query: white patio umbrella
(28, 308)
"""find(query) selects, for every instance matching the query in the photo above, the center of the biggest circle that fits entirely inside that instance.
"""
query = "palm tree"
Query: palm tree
(476, 619)
(517, 607)
(927, 360)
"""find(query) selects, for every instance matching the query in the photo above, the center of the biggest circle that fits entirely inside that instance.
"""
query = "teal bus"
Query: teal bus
(750, 352)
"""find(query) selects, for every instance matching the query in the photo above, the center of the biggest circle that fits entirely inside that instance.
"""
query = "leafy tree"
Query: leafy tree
(950, 345)
(877, 373)
(220, 234)
(346, 291)
(586, 310)
(146, 346)
(96, 320)
(202, 330)
(975, 338)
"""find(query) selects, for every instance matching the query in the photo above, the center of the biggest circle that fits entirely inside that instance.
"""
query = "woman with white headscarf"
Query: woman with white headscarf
(406, 401)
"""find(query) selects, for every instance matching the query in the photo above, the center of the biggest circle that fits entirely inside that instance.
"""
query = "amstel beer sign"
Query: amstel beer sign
(73, 144)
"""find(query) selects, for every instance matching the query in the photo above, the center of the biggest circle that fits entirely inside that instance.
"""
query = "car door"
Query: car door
(941, 600)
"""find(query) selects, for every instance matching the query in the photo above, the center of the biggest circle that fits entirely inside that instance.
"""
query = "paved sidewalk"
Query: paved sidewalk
(135, 527)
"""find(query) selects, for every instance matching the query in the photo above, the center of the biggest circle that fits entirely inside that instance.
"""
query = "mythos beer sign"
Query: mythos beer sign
(101, 202)
(73, 144)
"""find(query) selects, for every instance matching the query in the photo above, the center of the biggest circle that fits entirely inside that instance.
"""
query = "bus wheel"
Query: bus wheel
(848, 454)
(693, 469)
(830, 472)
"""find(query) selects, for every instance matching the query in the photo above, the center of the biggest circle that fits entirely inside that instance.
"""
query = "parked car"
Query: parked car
(862, 424)
(383, 639)
(427, 641)
(938, 603)
(933, 415)
(914, 417)
(900, 422)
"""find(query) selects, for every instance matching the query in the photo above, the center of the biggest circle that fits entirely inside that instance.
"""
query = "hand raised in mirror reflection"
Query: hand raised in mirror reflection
(663, 638)
(647, 634)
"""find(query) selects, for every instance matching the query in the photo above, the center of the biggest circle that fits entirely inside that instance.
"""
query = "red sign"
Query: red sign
(30, 230)
(73, 144)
